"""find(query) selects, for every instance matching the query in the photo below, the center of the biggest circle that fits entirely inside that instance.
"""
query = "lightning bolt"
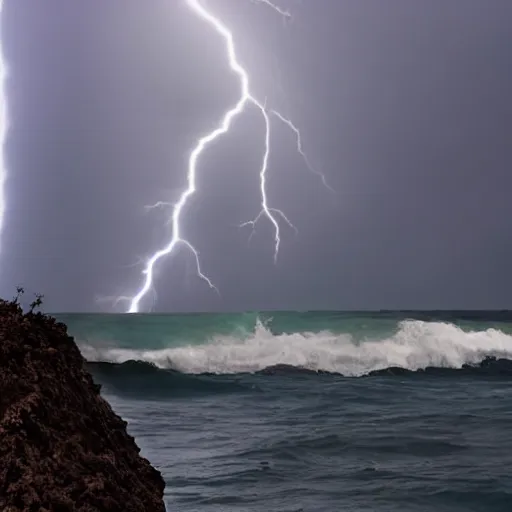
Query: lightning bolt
(3, 127)
(292, 127)
(245, 99)
(161, 205)
(282, 12)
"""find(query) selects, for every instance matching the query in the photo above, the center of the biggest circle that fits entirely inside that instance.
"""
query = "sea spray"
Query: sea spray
(415, 345)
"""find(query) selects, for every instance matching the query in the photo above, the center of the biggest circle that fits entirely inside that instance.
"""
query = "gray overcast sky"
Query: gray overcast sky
(403, 104)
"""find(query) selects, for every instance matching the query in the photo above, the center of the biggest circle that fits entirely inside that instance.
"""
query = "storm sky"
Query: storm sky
(404, 105)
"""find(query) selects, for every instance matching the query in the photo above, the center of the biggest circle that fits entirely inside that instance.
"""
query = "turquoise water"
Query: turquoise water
(314, 411)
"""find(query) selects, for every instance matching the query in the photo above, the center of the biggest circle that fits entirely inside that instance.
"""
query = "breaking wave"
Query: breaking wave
(139, 379)
(415, 345)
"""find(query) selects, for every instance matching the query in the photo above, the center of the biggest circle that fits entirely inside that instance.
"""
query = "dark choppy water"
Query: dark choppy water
(233, 426)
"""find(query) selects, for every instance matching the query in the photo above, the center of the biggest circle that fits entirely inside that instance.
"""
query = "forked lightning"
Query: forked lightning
(246, 99)
(3, 129)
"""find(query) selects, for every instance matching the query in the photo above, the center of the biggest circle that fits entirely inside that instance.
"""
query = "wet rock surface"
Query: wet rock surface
(62, 448)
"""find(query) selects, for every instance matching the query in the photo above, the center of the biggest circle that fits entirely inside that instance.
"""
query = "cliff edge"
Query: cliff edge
(62, 448)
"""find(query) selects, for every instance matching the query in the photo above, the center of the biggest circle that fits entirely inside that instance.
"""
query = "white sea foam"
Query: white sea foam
(415, 345)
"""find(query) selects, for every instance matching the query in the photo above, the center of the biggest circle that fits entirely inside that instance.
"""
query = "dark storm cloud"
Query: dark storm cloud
(404, 105)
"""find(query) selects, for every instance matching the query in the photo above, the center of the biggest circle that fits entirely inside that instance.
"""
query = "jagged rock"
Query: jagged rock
(62, 448)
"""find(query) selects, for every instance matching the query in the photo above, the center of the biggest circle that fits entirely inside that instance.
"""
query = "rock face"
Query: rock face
(62, 448)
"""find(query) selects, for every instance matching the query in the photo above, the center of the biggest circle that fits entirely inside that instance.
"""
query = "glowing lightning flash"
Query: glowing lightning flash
(245, 99)
(3, 128)
(300, 150)
(285, 14)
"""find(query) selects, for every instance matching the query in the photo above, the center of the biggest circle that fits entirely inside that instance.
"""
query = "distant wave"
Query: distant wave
(416, 345)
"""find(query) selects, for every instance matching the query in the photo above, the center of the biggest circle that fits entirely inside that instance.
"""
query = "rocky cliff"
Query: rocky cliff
(62, 448)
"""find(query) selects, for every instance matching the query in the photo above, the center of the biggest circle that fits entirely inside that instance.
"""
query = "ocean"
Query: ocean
(314, 411)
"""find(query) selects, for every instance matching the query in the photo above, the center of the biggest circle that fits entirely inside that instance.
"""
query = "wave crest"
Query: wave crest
(415, 345)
